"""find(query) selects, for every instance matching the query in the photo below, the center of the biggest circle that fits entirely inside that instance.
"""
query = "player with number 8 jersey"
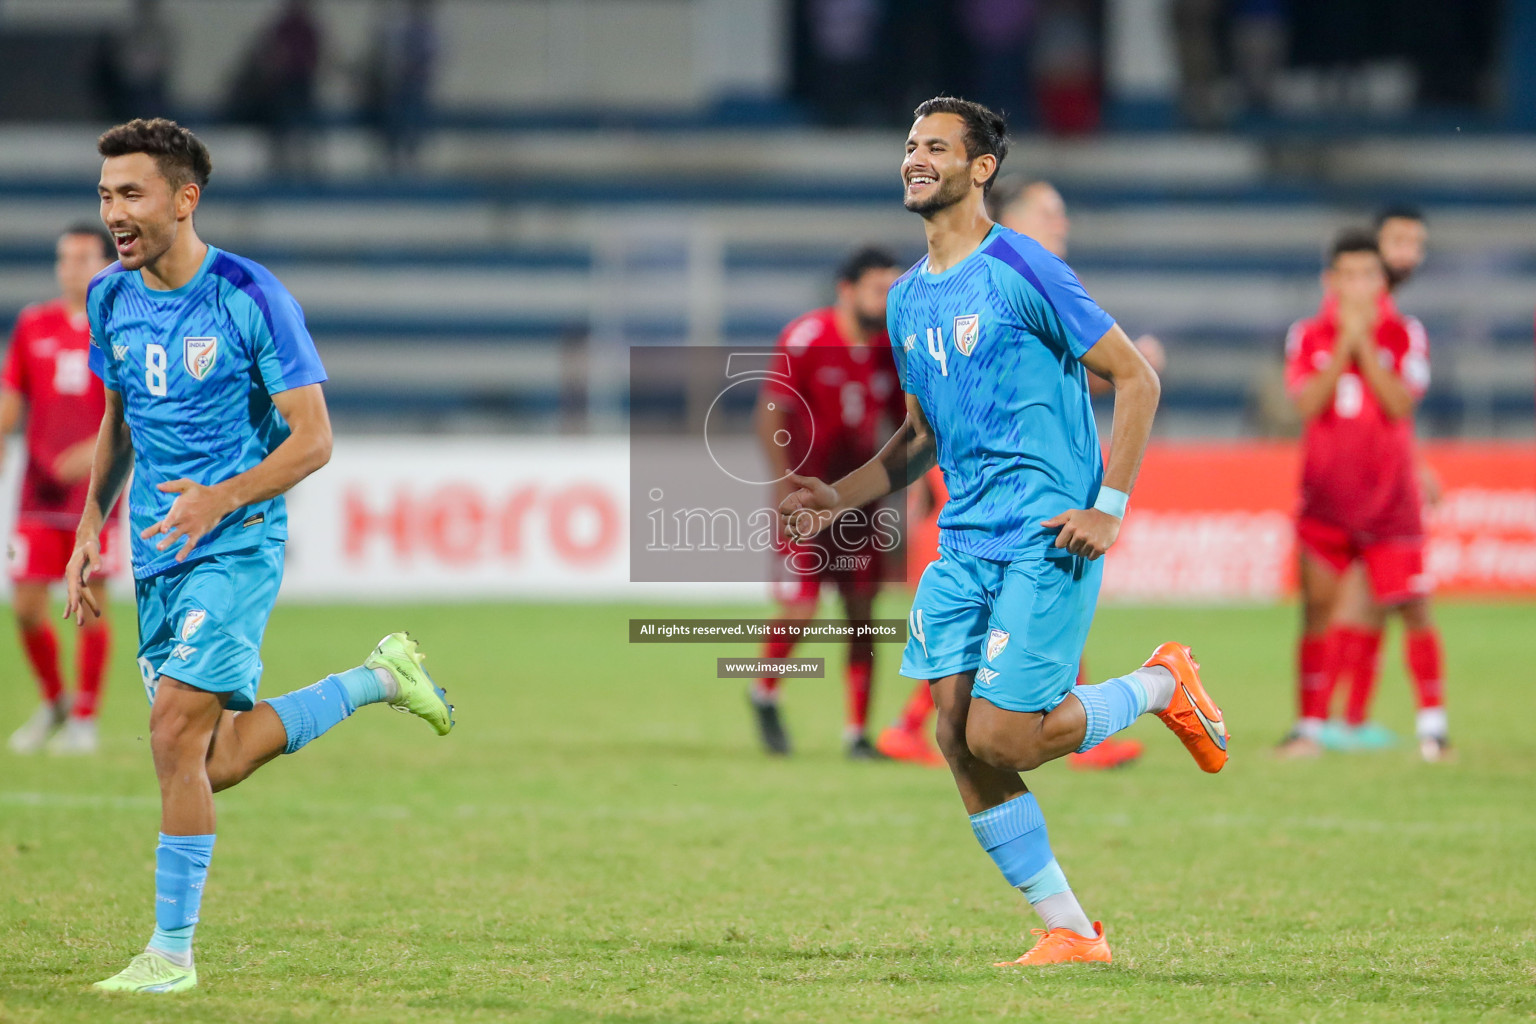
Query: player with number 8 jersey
(213, 400)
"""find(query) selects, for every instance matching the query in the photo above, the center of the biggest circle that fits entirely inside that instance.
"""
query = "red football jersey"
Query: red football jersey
(843, 401)
(1358, 468)
(48, 365)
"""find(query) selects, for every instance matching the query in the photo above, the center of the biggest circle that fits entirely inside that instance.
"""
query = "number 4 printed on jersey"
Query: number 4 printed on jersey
(936, 349)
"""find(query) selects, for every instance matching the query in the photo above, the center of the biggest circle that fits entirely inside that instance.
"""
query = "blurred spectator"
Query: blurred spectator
(275, 87)
(1259, 39)
(1065, 59)
(1197, 30)
(841, 75)
(398, 78)
(998, 34)
(1032, 208)
(135, 65)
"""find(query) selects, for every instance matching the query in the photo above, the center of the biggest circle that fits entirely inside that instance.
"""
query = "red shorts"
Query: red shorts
(856, 574)
(1395, 567)
(40, 554)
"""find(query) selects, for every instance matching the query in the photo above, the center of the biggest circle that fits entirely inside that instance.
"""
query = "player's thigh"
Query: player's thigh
(37, 557)
(205, 623)
(1323, 555)
(1036, 633)
(948, 621)
(29, 600)
(1396, 571)
(1354, 604)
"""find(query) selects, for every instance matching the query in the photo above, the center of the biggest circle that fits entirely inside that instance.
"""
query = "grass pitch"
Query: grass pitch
(600, 840)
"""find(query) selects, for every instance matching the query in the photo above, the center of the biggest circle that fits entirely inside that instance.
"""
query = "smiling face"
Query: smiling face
(937, 173)
(141, 208)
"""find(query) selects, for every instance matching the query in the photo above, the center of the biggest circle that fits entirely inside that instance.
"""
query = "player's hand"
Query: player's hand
(83, 564)
(1085, 531)
(74, 462)
(808, 508)
(195, 512)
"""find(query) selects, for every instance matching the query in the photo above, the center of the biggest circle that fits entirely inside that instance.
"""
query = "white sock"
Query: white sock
(1159, 684)
(1431, 724)
(179, 959)
(1063, 911)
(761, 695)
(389, 682)
(1310, 728)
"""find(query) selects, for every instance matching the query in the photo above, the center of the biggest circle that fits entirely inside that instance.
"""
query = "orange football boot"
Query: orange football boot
(1111, 753)
(1062, 946)
(1191, 714)
(901, 745)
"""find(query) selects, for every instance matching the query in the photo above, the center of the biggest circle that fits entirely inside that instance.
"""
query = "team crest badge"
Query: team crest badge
(190, 624)
(198, 354)
(996, 641)
(967, 333)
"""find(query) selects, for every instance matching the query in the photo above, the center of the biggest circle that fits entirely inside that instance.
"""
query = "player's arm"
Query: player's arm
(1090, 532)
(1390, 390)
(904, 459)
(198, 508)
(770, 418)
(12, 408)
(110, 466)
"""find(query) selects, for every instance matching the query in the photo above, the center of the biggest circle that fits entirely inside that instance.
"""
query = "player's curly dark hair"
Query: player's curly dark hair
(182, 157)
(986, 131)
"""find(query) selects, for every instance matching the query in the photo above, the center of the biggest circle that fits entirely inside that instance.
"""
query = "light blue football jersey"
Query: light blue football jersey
(196, 368)
(990, 348)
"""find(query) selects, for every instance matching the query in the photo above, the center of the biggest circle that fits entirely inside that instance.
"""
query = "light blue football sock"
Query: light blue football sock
(310, 712)
(181, 868)
(1014, 835)
(1109, 706)
(366, 685)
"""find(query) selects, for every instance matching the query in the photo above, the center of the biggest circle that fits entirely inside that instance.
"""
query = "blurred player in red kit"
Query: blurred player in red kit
(1036, 209)
(46, 379)
(838, 403)
(1356, 371)
(1358, 621)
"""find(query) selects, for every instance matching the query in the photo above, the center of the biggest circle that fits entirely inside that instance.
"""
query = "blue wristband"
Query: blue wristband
(1112, 502)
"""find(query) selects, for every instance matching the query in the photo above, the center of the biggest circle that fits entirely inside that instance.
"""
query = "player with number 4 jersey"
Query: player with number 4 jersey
(994, 336)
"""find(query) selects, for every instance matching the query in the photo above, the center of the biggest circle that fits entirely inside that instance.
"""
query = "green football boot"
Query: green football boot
(150, 972)
(398, 655)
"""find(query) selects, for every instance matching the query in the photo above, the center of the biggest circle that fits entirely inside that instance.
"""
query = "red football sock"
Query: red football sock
(94, 644)
(776, 648)
(861, 666)
(1344, 647)
(1312, 657)
(1082, 673)
(1427, 666)
(1362, 669)
(42, 649)
(919, 707)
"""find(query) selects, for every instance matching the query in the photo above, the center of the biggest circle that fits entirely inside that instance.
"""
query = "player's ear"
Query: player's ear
(186, 200)
(982, 169)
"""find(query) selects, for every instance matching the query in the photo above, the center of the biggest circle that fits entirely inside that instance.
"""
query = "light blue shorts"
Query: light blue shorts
(202, 623)
(1020, 626)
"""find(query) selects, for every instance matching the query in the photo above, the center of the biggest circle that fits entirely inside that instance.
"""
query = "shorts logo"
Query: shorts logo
(199, 354)
(985, 675)
(996, 641)
(183, 652)
(967, 333)
(190, 624)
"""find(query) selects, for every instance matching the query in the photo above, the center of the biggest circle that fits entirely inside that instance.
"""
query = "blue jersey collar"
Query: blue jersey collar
(176, 293)
(929, 275)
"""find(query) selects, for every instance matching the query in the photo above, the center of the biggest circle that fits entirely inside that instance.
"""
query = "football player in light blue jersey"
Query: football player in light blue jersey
(213, 400)
(994, 334)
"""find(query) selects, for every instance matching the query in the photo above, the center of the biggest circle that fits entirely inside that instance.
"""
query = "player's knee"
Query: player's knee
(1002, 748)
(949, 734)
(175, 735)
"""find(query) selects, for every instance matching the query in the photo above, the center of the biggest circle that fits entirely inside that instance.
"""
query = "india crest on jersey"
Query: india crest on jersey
(198, 355)
(967, 332)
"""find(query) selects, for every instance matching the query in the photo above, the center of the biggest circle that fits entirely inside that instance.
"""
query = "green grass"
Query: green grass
(600, 841)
